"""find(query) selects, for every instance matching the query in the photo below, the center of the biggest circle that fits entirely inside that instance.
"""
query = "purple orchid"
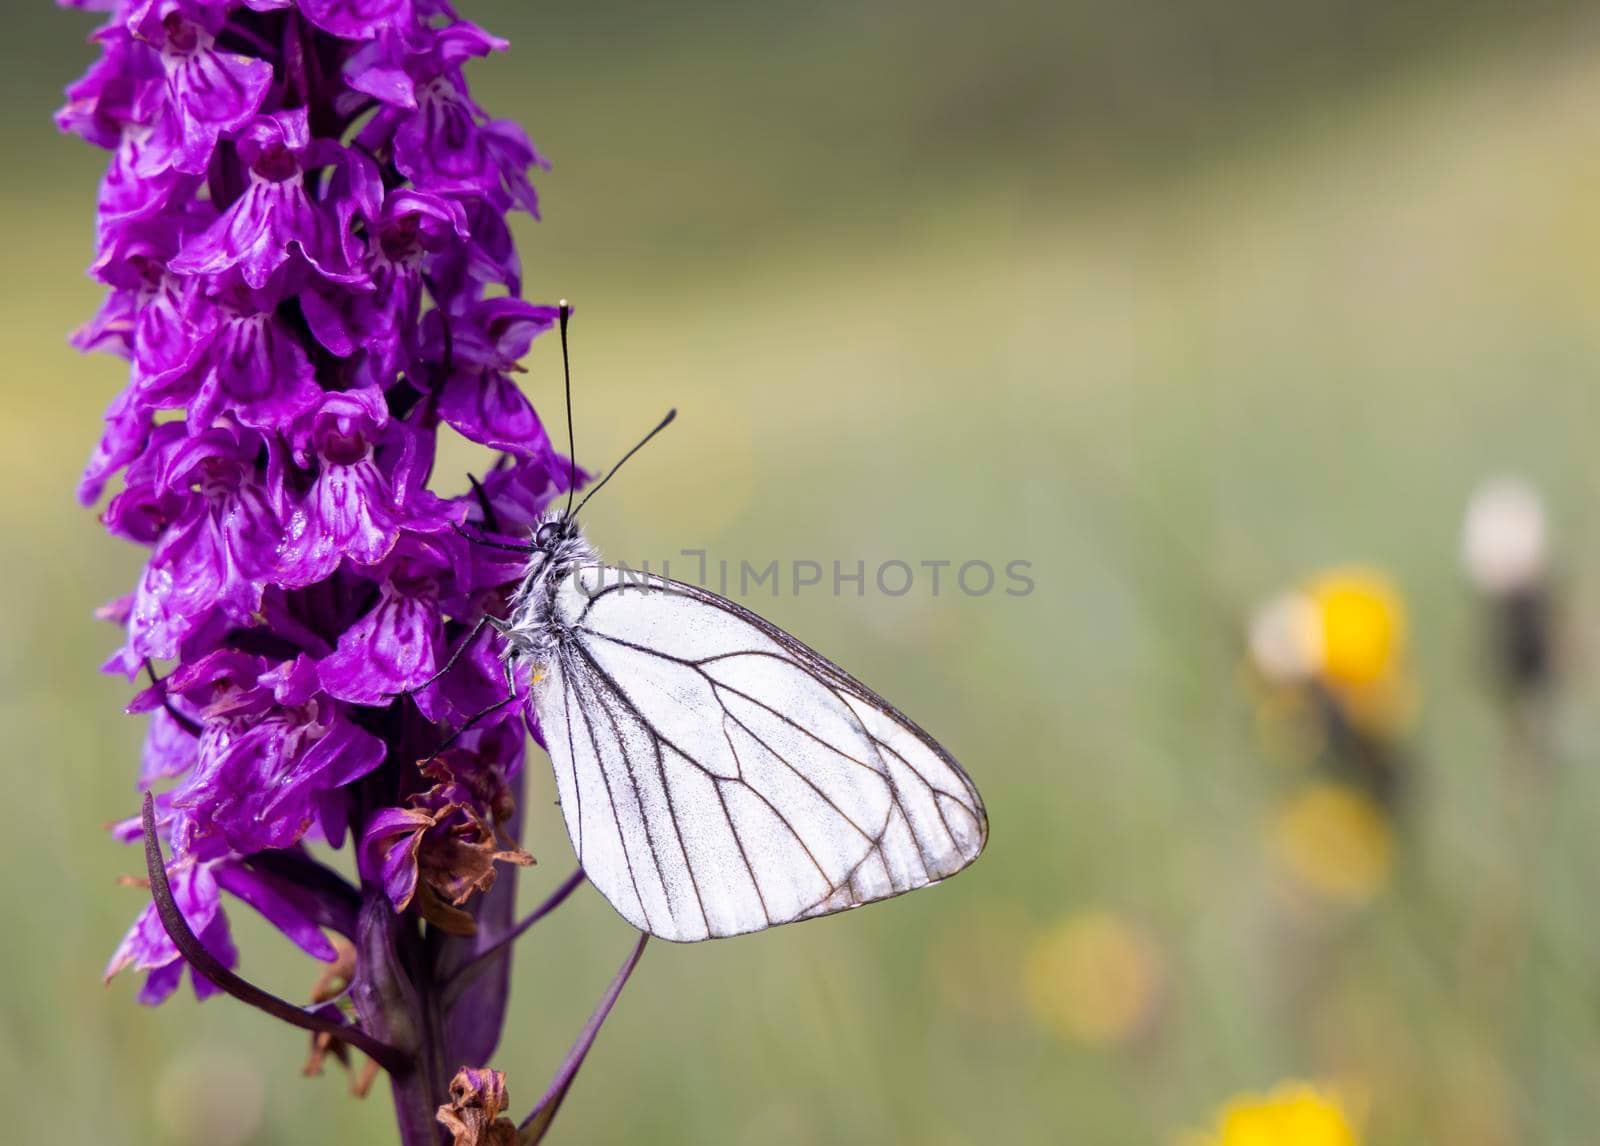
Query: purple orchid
(277, 218)
(302, 232)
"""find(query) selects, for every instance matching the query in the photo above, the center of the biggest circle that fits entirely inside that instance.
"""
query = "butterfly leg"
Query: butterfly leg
(477, 631)
(468, 725)
(476, 718)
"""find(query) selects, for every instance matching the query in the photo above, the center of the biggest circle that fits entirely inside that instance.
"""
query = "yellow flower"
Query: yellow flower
(1335, 841)
(1363, 627)
(1094, 978)
(1294, 1114)
(1344, 631)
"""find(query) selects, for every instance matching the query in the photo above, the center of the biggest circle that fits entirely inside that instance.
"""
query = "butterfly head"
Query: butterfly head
(552, 532)
(557, 542)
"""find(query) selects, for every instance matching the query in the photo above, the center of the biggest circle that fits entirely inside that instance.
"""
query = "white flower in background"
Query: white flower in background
(1286, 638)
(1504, 538)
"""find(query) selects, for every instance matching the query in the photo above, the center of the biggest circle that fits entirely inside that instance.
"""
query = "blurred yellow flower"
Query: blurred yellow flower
(1363, 627)
(1094, 978)
(1294, 1114)
(1344, 631)
(1335, 841)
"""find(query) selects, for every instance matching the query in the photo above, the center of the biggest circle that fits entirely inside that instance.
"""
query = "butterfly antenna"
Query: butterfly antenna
(566, 375)
(665, 422)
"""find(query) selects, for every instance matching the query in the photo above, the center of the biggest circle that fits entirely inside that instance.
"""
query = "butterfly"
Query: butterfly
(716, 775)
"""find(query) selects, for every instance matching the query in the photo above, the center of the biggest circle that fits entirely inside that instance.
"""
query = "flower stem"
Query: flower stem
(387, 999)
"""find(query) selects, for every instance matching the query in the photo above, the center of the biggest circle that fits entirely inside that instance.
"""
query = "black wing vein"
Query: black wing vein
(638, 798)
(605, 777)
(883, 772)
(717, 781)
(877, 734)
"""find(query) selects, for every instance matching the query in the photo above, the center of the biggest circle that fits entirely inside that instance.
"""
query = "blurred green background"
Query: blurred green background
(1181, 304)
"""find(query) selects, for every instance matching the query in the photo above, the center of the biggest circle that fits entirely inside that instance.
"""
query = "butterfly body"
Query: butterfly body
(532, 630)
(716, 775)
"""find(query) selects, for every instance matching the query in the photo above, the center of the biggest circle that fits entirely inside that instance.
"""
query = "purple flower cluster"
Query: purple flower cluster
(303, 233)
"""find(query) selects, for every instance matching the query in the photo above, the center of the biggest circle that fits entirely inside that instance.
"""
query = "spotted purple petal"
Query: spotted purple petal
(276, 217)
(391, 650)
(209, 91)
(146, 946)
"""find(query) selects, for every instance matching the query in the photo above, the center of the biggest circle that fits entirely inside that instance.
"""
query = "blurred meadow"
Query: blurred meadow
(1185, 305)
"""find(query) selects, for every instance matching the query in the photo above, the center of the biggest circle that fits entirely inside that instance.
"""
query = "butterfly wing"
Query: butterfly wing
(717, 776)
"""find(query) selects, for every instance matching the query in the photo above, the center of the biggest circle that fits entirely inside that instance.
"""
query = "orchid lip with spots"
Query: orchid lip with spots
(302, 234)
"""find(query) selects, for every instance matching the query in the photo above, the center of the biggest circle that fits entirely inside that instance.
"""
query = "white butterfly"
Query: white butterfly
(716, 775)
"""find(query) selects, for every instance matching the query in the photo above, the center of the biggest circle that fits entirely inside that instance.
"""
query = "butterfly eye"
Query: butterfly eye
(547, 535)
